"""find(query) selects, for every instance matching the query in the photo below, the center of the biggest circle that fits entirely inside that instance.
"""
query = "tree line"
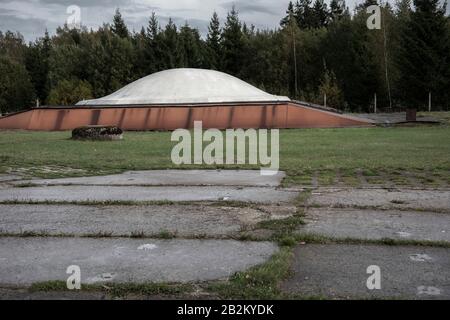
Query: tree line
(319, 50)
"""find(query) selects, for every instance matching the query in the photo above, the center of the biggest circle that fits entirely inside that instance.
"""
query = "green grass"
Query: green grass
(260, 282)
(118, 290)
(302, 152)
(283, 229)
(312, 238)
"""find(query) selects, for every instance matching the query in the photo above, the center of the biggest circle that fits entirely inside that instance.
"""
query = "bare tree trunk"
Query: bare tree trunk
(386, 61)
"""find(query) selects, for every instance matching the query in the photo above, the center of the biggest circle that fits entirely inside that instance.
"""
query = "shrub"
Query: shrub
(69, 92)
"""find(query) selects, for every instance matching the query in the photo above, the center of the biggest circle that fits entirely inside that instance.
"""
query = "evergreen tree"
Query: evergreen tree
(191, 47)
(320, 14)
(337, 9)
(119, 27)
(37, 64)
(170, 46)
(403, 9)
(213, 42)
(304, 14)
(153, 54)
(424, 59)
(140, 65)
(346, 53)
(232, 44)
(366, 4)
(153, 27)
(290, 12)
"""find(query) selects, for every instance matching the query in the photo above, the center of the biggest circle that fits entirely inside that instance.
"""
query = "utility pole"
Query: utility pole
(429, 101)
(295, 58)
(388, 84)
(375, 103)
(325, 100)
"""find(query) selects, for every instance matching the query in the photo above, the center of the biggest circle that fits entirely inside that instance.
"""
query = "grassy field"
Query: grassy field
(307, 155)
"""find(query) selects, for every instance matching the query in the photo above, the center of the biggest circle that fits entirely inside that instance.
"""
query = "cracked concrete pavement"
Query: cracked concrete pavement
(78, 193)
(190, 220)
(382, 198)
(26, 259)
(337, 271)
(29, 260)
(9, 177)
(330, 270)
(377, 224)
(171, 178)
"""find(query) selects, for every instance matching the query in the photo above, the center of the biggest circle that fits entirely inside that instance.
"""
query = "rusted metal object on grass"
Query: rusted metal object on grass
(411, 114)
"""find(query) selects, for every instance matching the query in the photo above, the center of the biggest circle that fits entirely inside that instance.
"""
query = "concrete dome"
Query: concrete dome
(184, 86)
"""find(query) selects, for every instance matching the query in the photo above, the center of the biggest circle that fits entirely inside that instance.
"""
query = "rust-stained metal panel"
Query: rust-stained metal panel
(154, 117)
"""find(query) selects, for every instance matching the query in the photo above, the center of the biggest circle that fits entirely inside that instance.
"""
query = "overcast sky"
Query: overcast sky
(32, 17)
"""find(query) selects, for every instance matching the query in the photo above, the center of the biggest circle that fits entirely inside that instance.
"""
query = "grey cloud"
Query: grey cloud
(246, 7)
(88, 3)
(7, 12)
(138, 9)
(201, 25)
(29, 28)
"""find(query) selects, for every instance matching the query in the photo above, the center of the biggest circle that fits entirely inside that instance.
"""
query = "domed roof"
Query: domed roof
(180, 86)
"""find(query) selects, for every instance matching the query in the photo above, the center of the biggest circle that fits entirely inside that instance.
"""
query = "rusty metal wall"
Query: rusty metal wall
(284, 115)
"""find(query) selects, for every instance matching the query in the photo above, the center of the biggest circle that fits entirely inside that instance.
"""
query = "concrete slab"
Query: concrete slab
(384, 198)
(182, 220)
(390, 118)
(340, 271)
(132, 193)
(172, 178)
(27, 260)
(9, 177)
(377, 224)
